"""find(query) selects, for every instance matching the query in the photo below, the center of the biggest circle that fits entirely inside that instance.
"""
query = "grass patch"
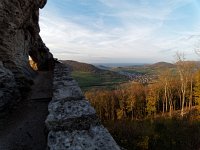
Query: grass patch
(88, 80)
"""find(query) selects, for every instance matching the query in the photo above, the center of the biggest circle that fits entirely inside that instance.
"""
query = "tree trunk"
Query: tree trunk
(191, 93)
(163, 107)
(166, 95)
(170, 109)
(183, 100)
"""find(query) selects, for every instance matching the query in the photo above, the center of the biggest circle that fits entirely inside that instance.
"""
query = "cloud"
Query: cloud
(131, 31)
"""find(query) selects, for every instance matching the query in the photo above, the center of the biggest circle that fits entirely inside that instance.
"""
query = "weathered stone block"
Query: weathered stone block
(96, 138)
(67, 92)
(70, 115)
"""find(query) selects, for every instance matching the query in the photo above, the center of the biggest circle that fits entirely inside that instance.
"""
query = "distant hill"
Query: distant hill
(103, 67)
(88, 76)
(162, 65)
(79, 66)
(146, 69)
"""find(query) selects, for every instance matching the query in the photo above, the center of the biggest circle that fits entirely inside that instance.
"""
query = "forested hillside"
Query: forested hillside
(160, 114)
(79, 66)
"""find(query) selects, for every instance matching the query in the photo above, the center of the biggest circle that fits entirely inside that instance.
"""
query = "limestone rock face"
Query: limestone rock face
(19, 35)
(19, 38)
(8, 87)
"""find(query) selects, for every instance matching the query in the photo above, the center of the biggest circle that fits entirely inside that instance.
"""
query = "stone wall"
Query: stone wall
(19, 38)
(72, 121)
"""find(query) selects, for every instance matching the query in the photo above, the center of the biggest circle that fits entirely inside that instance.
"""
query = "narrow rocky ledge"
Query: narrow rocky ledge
(72, 121)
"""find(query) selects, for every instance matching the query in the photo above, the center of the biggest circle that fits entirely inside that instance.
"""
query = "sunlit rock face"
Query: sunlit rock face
(19, 38)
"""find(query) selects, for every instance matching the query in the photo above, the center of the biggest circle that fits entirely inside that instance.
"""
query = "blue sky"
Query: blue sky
(121, 31)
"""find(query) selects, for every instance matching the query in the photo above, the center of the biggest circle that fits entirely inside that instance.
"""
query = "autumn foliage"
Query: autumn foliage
(161, 115)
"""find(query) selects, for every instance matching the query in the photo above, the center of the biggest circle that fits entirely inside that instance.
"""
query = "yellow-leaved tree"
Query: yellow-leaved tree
(197, 89)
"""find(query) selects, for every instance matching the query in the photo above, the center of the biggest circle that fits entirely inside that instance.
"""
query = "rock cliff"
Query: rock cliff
(19, 39)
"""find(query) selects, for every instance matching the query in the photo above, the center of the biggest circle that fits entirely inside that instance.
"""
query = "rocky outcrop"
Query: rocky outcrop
(72, 121)
(7, 86)
(19, 38)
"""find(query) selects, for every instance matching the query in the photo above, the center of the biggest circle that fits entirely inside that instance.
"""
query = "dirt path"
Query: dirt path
(24, 127)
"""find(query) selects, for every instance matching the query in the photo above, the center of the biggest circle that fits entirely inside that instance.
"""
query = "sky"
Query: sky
(121, 31)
